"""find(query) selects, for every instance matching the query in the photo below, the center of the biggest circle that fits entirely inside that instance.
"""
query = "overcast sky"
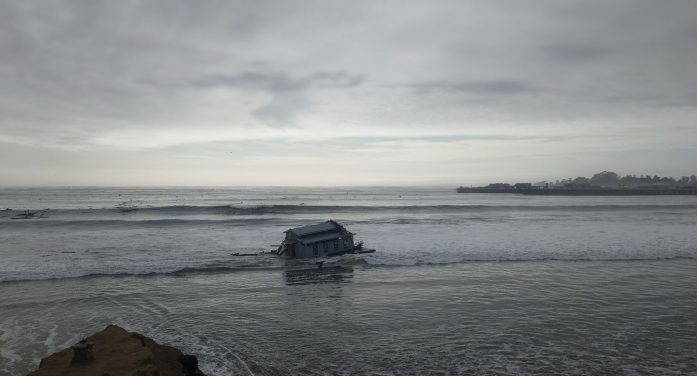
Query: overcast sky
(344, 92)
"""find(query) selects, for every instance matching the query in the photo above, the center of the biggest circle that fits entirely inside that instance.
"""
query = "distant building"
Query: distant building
(318, 240)
(499, 185)
(581, 185)
(522, 185)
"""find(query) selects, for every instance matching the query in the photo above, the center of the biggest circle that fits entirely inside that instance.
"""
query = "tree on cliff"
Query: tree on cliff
(606, 179)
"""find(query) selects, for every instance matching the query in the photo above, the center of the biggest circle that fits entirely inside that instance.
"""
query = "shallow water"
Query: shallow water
(531, 317)
(461, 284)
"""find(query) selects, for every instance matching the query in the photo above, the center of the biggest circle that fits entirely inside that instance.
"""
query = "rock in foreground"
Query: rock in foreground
(115, 352)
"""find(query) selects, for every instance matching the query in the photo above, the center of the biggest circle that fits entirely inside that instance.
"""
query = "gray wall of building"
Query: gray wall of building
(306, 251)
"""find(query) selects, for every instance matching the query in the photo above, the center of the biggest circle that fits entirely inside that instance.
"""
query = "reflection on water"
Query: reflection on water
(317, 275)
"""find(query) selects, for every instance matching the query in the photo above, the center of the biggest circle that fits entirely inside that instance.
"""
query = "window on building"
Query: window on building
(326, 247)
(336, 245)
(315, 251)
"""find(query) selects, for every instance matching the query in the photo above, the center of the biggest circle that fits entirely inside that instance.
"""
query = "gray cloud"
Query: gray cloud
(574, 52)
(282, 109)
(267, 81)
(79, 73)
(288, 93)
(288, 96)
(97, 65)
(481, 87)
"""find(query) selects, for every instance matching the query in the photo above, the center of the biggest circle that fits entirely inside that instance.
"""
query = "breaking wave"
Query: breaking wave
(290, 209)
(299, 209)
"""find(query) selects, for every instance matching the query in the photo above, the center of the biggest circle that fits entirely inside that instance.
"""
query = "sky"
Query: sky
(339, 93)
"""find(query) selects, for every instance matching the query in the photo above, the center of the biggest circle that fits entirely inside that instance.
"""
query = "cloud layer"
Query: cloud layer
(419, 89)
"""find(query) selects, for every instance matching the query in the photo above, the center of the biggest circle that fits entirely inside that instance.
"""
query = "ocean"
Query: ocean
(460, 283)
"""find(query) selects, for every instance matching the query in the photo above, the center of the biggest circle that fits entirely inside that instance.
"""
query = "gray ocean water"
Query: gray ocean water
(460, 284)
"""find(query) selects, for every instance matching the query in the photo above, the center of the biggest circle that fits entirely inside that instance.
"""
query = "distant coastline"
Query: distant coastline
(583, 191)
(606, 183)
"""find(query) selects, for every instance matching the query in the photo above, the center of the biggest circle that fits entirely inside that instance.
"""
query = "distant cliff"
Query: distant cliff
(115, 352)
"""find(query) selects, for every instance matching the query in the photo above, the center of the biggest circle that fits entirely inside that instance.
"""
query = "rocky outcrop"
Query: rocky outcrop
(115, 352)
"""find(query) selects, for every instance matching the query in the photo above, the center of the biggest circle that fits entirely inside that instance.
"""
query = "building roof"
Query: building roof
(314, 229)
